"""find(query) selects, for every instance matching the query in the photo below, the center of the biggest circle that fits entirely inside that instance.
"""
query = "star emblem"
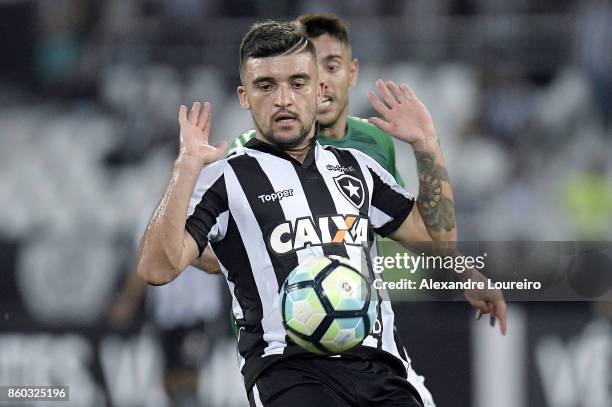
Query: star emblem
(352, 189)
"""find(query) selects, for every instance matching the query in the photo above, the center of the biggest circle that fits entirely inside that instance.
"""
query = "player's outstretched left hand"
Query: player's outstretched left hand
(404, 116)
(489, 301)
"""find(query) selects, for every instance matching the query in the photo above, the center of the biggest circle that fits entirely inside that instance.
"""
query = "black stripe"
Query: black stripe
(204, 217)
(269, 214)
(348, 160)
(251, 398)
(391, 202)
(320, 202)
(233, 255)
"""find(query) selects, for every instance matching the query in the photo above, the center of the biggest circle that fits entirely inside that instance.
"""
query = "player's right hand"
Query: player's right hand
(195, 129)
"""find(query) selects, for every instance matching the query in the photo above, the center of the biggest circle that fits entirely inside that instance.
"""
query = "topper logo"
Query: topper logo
(276, 196)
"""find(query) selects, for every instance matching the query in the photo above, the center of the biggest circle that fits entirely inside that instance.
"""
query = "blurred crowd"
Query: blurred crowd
(520, 92)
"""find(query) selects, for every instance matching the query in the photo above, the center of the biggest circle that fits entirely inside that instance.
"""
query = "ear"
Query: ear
(353, 72)
(243, 98)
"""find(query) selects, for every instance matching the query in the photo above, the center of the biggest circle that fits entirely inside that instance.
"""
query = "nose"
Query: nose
(324, 78)
(284, 96)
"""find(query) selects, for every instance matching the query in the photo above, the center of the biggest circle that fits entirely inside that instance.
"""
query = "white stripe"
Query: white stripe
(378, 218)
(263, 271)
(343, 206)
(218, 230)
(236, 308)
(256, 397)
(388, 319)
(208, 176)
(282, 176)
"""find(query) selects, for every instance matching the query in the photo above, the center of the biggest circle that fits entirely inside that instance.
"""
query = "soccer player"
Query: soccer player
(339, 70)
(255, 238)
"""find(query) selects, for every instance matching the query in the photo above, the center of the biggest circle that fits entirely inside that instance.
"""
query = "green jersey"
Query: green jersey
(360, 135)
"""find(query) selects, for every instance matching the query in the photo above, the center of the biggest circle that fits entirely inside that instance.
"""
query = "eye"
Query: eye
(332, 67)
(265, 86)
(298, 85)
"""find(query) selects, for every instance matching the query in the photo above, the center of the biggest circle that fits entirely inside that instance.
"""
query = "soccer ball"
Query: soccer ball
(327, 306)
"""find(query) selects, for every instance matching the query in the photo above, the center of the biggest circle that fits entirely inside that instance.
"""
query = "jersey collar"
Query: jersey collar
(311, 156)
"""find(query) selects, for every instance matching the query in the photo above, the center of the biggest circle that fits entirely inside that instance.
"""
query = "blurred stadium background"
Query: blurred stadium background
(520, 91)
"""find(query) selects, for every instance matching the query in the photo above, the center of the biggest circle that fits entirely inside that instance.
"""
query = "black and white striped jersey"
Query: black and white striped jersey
(264, 213)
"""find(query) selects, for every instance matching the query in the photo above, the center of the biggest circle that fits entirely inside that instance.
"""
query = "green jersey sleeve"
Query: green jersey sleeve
(240, 141)
(394, 171)
(374, 142)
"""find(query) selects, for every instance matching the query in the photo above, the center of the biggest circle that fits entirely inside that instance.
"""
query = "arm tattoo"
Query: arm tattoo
(437, 210)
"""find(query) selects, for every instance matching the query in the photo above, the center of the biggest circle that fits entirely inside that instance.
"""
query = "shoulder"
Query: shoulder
(358, 155)
(211, 178)
(212, 171)
(240, 141)
(362, 126)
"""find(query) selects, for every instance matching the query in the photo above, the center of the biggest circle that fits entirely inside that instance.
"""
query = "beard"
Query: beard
(285, 143)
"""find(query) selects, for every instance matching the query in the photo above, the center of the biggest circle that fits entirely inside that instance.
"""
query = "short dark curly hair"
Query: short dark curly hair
(272, 38)
(316, 25)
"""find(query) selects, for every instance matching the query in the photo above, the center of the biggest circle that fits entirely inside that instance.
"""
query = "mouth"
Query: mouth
(285, 118)
(327, 100)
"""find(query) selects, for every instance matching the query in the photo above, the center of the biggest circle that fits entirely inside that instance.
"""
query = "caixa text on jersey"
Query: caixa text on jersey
(295, 235)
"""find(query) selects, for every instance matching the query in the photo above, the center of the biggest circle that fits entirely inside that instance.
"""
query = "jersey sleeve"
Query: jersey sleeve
(390, 147)
(396, 174)
(390, 204)
(208, 208)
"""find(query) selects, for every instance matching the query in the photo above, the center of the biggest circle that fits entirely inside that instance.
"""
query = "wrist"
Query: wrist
(428, 142)
(190, 162)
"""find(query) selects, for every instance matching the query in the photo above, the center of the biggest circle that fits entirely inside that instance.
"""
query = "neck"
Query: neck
(298, 152)
(336, 130)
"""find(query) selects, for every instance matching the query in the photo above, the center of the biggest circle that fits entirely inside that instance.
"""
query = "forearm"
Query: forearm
(162, 250)
(435, 200)
(207, 262)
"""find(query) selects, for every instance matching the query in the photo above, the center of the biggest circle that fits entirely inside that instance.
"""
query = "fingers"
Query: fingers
(206, 129)
(198, 116)
(408, 92)
(379, 106)
(195, 112)
(497, 312)
(203, 120)
(381, 124)
(389, 100)
(392, 94)
(400, 96)
(182, 114)
(221, 146)
(482, 308)
(501, 312)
